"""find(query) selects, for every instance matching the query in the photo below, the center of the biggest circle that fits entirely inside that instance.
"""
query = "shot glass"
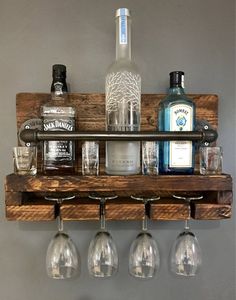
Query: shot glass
(150, 158)
(25, 160)
(211, 160)
(90, 158)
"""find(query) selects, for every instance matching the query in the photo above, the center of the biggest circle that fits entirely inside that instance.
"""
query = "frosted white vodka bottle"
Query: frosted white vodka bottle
(123, 102)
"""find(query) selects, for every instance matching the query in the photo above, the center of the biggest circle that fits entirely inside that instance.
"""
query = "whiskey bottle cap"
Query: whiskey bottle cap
(59, 71)
(176, 78)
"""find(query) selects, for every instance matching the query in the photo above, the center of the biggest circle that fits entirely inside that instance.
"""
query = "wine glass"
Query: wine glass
(102, 252)
(144, 256)
(62, 259)
(185, 255)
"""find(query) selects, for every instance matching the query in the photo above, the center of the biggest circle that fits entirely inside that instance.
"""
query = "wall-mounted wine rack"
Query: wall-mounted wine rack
(25, 194)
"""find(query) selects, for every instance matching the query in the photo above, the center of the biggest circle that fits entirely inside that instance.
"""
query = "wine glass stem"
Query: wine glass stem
(145, 219)
(60, 224)
(102, 214)
(59, 219)
(186, 226)
(144, 223)
(103, 222)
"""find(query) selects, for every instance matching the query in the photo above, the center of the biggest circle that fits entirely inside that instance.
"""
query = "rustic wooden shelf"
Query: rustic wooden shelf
(24, 195)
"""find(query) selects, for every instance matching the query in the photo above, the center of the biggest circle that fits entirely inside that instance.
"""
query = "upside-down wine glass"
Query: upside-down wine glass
(102, 252)
(185, 255)
(144, 256)
(62, 259)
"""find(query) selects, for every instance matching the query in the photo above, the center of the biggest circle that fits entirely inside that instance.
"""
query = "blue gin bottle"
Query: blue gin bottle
(176, 113)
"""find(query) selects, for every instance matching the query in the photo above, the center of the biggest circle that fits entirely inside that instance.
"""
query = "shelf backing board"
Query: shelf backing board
(91, 113)
(25, 194)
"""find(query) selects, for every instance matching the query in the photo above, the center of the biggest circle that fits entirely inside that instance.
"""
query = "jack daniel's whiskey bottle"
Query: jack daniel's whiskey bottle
(176, 113)
(58, 115)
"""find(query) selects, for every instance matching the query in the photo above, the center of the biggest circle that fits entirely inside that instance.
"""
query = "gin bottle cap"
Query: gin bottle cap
(177, 79)
(122, 12)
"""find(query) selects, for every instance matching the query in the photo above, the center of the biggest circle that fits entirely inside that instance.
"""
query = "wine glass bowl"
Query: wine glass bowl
(186, 254)
(102, 253)
(62, 258)
(102, 256)
(144, 257)
(62, 261)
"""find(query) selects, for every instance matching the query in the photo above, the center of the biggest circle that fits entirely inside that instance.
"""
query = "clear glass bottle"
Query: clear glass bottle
(123, 97)
(176, 113)
(58, 114)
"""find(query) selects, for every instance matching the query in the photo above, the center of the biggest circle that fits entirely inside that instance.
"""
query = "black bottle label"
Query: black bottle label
(58, 150)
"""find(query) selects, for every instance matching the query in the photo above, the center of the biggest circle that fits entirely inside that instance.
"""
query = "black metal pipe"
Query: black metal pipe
(34, 135)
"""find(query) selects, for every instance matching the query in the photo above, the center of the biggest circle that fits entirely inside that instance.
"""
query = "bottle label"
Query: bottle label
(180, 152)
(58, 150)
(123, 29)
(122, 158)
(123, 92)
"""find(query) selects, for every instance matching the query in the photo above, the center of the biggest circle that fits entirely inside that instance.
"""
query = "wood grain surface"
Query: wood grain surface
(24, 195)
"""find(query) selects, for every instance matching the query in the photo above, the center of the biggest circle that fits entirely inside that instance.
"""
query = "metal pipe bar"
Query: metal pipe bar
(34, 135)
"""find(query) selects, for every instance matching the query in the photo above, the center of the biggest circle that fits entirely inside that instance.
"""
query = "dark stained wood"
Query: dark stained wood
(91, 109)
(170, 209)
(91, 113)
(81, 210)
(124, 209)
(209, 211)
(132, 183)
(13, 198)
(36, 212)
(25, 194)
(225, 197)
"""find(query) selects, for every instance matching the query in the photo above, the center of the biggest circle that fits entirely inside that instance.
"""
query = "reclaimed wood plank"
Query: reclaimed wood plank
(81, 210)
(118, 183)
(91, 113)
(13, 198)
(30, 212)
(170, 209)
(225, 197)
(91, 108)
(209, 211)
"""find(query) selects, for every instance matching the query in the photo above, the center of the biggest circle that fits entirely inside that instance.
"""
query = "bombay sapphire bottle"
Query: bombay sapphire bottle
(176, 113)
(123, 94)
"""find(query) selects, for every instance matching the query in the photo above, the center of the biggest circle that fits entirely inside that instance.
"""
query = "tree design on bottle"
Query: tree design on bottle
(123, 88)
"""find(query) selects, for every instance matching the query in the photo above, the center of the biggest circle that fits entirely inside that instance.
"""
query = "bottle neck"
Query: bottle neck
(176, 90)
(59, 90)
(123, 38)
